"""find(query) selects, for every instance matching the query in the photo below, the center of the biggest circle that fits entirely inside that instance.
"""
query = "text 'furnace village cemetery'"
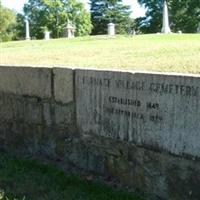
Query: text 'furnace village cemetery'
(154, 110)
(138, 128)
(141, 129)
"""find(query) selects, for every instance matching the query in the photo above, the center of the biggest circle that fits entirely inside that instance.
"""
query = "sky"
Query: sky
(17, 5)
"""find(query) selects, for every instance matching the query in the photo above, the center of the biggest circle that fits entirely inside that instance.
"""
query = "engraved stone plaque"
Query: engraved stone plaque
(158, 111)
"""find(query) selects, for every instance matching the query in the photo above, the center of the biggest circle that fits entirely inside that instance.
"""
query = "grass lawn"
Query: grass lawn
(25, 179)
(156, 52)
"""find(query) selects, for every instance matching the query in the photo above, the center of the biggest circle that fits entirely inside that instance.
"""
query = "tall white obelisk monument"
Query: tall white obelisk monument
(27, 29)
(165, 26)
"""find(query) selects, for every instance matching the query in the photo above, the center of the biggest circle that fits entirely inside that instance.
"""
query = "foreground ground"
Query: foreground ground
(168, 53)
(25, 179)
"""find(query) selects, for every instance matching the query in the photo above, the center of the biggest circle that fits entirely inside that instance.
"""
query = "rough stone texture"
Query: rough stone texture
(63, 85)
(21, 122)
(155, 111)
(140, 129)
(157, 176)
(32, 121)
(26, 81)
(15, 108)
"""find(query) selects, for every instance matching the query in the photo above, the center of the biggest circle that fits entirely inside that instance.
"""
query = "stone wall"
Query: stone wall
(141, 129)
(37, 111)
(150, 110)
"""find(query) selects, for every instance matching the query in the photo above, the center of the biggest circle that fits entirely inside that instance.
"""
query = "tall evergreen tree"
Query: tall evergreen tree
(152, 22)
(184, 15)
(106, 11)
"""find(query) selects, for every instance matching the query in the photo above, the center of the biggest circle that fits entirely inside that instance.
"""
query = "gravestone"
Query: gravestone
(69, 31)
(151, 110)
(47, 35)
(27, 29)
(111, 29)
(165, 26)
(133, 32)
(198, 29)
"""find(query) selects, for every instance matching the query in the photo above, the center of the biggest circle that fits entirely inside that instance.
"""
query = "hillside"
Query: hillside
(169, 53)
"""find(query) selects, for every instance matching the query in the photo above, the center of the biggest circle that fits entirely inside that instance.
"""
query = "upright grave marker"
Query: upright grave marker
(27, 29)
(165, 25)
(111, 29)
(47, 35)
(69, 31)
(198, 28)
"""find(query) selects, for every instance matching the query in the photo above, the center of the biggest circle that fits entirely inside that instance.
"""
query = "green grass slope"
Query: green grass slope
(156, 52)
(25, 179)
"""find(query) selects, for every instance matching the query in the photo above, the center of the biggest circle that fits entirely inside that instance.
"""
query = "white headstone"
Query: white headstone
(165, 26)
(198, 29)
(111, 29)
(27, 29)
(47, 35)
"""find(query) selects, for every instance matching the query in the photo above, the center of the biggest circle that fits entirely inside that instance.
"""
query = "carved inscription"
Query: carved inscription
(161, 111)
(130, 85)
(125, 113)
(132, 107)
(122, 101)
(104, 82)
(183, 90)
(151, 105)
(160, 88)
(133, 114)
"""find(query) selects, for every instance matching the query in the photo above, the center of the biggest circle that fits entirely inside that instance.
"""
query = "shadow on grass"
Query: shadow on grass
(25, 179)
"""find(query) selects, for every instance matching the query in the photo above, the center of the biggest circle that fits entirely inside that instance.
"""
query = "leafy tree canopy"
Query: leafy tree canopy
(54, 16)
(7, 23)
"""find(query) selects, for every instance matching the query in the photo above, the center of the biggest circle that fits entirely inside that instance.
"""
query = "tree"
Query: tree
(20, 27)
(152, 22)
(54, 15)
(184, 15)
(7, 23)
(105, 11)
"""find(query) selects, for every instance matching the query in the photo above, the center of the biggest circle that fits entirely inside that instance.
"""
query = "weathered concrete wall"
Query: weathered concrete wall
(26, 81)
(150, 110)
(139, 128)
(35, 116)
(147, 127)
